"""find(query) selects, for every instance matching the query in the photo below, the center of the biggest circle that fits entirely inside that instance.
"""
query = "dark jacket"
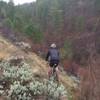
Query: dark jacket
(53, 54)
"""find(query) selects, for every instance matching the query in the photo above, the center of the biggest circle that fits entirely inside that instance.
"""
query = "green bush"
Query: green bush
(7, 22)
(33, 32)
(66, 51)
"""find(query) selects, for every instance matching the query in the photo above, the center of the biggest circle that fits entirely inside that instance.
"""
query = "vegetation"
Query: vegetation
(18, 82)
(53, 16)
(66, 52)
(46, 21)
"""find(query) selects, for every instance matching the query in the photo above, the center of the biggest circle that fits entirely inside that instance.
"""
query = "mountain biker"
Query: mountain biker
(53, 58)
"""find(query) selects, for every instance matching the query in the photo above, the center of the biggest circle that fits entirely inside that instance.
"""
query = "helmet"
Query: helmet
(53, 45)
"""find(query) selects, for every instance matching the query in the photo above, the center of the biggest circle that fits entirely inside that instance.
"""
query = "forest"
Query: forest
(46, 20)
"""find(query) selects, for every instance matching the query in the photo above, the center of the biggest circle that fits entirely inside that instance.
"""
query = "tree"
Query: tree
(11, 10)
(3, 9)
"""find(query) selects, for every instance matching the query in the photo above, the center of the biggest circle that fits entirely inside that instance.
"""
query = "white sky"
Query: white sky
(20, 1)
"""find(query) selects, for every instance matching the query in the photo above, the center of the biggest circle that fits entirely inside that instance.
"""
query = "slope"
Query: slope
(39, 66)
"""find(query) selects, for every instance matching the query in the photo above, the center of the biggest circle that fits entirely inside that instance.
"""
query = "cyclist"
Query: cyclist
(53, 58)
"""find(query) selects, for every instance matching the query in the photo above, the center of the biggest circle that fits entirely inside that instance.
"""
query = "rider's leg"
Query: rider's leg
(50, 69)
(55, 63)
(57, 72)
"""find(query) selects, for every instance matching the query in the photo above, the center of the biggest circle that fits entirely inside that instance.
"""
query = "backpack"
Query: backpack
(54, 54)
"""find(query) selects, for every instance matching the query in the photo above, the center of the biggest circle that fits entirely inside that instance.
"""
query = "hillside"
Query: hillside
(39, 66)
(27, 30)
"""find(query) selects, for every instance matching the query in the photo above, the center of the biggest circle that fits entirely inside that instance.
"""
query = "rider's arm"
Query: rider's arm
(47, 56)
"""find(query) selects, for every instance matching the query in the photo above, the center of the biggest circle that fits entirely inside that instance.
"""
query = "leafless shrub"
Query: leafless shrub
(23, 45)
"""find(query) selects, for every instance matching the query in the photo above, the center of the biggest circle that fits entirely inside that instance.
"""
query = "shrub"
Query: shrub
(66, 51)
(7, 22)
(33, 32)
(21, 85)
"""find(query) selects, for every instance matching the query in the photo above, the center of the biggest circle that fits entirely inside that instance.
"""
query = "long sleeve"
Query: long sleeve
(47, 56)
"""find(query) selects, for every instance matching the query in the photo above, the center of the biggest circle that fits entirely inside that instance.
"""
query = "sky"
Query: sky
(20, 1)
